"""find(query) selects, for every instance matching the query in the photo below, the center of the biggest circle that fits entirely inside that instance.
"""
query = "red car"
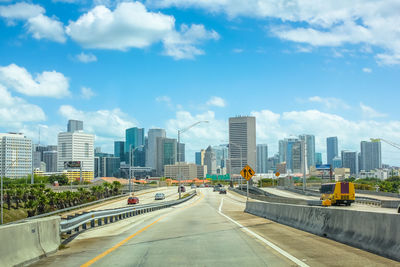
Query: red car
(133, 200)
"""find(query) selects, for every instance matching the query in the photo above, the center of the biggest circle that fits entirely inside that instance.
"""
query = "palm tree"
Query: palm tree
(116, 186)
(31, 205)
(107, 186)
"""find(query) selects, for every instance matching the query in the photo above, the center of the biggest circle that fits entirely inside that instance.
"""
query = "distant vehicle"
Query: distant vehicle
(207, 185)
(202, 185)
(159, 196)
(339, 193)
(222, 191)
(193, 186)
(182, 189)
(133, 200)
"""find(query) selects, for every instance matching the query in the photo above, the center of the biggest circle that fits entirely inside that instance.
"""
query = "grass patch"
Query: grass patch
(14, 214)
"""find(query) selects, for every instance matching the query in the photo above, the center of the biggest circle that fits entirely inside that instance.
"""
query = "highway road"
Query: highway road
(209, 230)
(354, 206)
(145, 197)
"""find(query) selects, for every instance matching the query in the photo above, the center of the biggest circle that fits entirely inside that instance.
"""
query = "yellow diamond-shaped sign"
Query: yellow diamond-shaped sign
(247, 172)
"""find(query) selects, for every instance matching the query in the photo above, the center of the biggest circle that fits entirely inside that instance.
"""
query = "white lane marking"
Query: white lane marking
(265, 241)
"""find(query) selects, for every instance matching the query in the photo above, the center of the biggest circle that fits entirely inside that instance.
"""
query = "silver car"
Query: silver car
(159, 196)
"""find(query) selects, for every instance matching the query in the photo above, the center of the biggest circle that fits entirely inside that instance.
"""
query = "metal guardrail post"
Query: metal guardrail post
(84, 226)
(92, 223)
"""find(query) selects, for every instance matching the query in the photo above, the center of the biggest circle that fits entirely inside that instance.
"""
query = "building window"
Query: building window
(86, 150)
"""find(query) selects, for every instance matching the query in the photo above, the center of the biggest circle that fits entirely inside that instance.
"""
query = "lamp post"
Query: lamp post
(179, 141)
(131, 151)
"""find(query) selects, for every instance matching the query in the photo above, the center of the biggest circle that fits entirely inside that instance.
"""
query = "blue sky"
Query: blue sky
(327, 69)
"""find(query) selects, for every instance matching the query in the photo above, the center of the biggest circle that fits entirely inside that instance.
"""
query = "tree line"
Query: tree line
(37, 199)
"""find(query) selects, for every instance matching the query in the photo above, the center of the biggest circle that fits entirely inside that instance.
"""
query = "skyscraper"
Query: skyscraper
(221, 155)
(15, 155)
(134, 140)
(370, 156)
(297, 156)
(242, 143)
(151, 156)
(76, 146)
(282, 150)
(331, 149)
(50, 158)
(318, 158)
(210, 161)
(350, 160)
(166, 153)
(309, 141)
(181, 152)
(336, 163)
(197, 158)
(119, 150)
(288, 144)
(74, 125)
(262, 158)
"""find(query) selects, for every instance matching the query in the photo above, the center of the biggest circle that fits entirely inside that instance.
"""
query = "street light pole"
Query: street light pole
(178, 151)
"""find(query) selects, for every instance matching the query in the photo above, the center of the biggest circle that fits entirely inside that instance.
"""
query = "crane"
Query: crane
(386, 141)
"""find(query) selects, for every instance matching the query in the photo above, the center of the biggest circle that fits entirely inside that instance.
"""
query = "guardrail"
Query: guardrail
(112, 215)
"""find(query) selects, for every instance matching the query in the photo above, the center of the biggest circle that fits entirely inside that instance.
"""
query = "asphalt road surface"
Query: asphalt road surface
(209, 230)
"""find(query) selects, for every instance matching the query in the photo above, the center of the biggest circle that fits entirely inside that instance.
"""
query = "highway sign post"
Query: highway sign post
(247, 173)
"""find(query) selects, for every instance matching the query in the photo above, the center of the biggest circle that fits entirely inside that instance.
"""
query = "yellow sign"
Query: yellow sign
(277, 174)
(247, 172)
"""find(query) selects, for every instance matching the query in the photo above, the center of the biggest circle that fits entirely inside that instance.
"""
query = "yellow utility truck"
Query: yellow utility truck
(339, 193)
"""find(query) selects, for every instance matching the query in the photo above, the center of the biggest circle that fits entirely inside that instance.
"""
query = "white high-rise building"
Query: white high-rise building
(309, 142)
(262, 158)
(76, 146)
(151, 155)
(242, 143)
(15, 155)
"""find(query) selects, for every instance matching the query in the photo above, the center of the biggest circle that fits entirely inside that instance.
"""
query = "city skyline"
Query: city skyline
(292, 86)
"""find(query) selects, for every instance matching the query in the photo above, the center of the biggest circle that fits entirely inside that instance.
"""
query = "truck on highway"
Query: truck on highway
(339, 193)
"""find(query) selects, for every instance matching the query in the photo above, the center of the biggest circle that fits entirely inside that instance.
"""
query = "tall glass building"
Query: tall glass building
(331, 149)
(119, 150)
(134, 138)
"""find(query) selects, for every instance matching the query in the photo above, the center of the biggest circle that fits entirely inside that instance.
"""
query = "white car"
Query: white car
(159, 196)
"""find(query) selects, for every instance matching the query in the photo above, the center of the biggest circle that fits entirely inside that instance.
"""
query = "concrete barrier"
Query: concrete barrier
(393, 204)
(375, 232)
(22, 243)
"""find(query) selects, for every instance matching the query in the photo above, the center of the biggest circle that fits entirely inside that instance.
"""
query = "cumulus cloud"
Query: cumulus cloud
(369, 112)
(48, 83)
(104, 123)
(131, 25)
(181, 45)
(21, 11)
(216, 102)
(237, 50)
(38, 24)
(87, 93)
(329, 23)
(14, 110)
(43, 27)
(329, 102)
(86, 58)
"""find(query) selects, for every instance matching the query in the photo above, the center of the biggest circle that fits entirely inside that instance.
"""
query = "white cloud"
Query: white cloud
(322, 23)
(39, 25)
(21, 11)
(87, 93)
(103, 123)
(47, 83)
(181, 45)
(131, 25)
(43, 27)
(14, 110)
(163, 98)
(369, 112)
(216, 102)
(367, 70)
(329, 102)
(86, 58)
